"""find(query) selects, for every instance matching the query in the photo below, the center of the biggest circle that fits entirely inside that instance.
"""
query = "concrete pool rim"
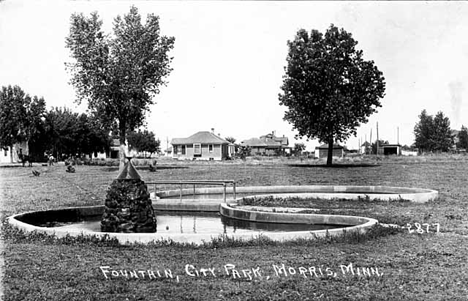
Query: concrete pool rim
(360, 224)
(17, 221)
(384, 193)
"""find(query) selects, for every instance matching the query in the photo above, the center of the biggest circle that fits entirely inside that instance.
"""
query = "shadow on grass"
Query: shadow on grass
(334, 165)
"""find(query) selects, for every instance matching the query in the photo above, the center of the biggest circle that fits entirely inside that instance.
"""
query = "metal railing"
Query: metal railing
(223, 183)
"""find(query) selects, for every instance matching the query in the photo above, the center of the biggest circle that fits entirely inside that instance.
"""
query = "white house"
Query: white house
(12, 154)
(201, 146)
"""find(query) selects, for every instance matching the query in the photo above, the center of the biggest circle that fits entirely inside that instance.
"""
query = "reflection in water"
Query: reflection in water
(274, 227)
(201, 222)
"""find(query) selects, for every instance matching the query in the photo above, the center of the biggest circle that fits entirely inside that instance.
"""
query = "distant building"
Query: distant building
(268, 145)
(390, 149)
(322, 151)
(408, 153)
(114, 149)
(202, 145)
(366, 148)
(13, 154)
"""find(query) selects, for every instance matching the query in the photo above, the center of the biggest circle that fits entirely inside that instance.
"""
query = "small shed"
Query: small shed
(391, 149)
(322, 151)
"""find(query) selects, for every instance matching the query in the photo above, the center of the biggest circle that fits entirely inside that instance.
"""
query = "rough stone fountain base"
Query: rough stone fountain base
(128, 208)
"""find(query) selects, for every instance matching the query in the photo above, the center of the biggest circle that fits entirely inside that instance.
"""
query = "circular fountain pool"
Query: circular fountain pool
(240, 222)
(184, 223)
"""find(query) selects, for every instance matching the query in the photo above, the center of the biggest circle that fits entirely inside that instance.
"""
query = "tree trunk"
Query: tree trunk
(330, 152)
(122, 149)
(11, 154)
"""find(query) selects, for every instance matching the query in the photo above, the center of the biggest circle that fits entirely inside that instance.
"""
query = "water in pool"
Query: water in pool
(202, 222)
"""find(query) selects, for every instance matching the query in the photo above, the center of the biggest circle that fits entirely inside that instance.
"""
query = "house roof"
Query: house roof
(203, 137)
(254, 142)
(282, 140)
(325, 146)
(366, 144)
(267, 141)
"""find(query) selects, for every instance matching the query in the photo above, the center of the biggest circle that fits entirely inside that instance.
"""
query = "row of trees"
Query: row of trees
(434, 134)
(144, 142)
(20, 116)
(72, 134)
(58, 131)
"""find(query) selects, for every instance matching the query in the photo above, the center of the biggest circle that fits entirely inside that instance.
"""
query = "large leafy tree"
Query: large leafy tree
(98, 137)
(433, 133)
(37, 136)
(21, 118)
(144, 141)
(73, 134)
(90, 136)
(14, 103)
(62, 129)
(442, 135)
(298, 148)
(328, 87)
(118, 75)
(423, 132)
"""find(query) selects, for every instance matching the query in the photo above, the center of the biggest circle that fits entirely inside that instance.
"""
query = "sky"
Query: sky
(229, 59)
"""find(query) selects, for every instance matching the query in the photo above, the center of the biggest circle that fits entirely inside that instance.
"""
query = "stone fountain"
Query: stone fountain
(128, 207)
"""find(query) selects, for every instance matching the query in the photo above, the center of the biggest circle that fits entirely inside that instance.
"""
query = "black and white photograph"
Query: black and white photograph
(233, 150)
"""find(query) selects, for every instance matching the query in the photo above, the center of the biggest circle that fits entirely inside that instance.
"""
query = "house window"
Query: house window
(210, 148)
(5, 151)
(197, 149)
(183, 149)
(175, 149)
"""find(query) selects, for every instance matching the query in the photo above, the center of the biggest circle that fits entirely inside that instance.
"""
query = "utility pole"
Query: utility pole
(398, 135)
(365, 142)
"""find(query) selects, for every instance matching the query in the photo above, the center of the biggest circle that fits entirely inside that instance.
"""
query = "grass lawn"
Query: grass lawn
(391, 266)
